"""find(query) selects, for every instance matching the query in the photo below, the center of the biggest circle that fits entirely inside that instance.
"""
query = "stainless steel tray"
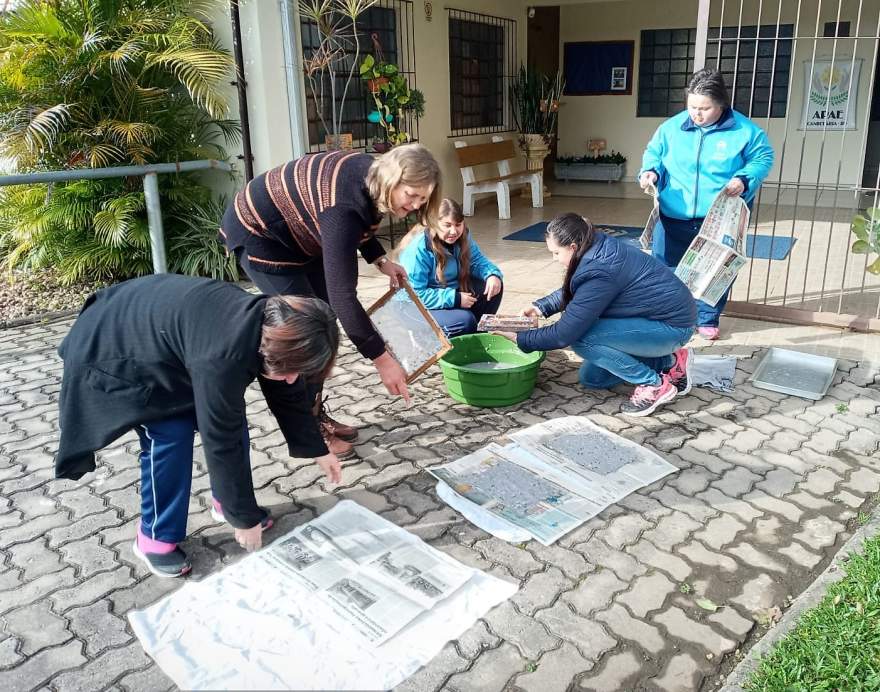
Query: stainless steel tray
(792, 372)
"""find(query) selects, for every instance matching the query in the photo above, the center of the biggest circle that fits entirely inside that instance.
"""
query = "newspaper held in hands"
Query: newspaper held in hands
(375, 579)
(712, 260)
(647, 238)
(507, 323)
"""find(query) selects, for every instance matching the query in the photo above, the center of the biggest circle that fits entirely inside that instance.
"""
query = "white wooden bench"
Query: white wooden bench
(499, 151)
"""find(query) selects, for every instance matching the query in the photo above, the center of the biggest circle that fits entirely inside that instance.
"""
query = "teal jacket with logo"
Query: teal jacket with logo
(694, 163)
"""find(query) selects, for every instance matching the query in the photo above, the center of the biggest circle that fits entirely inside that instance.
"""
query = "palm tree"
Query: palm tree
(94, 83)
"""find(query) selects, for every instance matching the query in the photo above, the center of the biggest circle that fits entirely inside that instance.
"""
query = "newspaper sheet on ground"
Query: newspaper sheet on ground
(376, 578)
(517, 494)
(553, 477)
(254, 625)
(711, 262)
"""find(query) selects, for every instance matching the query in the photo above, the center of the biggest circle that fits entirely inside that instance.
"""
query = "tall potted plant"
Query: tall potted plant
(392, 98)
(534, 100)
(336, 55)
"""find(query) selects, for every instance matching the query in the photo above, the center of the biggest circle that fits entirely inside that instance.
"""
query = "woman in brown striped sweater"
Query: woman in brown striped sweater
(296, 225)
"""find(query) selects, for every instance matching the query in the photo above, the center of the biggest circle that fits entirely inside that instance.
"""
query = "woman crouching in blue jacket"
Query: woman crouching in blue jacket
(449, 273)
(624, 312)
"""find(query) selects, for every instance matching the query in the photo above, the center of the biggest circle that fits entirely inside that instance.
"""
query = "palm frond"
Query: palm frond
(45, 124)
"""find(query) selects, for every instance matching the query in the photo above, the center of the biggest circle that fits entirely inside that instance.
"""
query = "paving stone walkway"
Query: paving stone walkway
(769, 488)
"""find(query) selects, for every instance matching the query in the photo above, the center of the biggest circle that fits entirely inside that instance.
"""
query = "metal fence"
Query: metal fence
(827, 148)
(150, 175)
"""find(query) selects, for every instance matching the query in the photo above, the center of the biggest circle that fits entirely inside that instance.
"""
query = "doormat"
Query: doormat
(768, 246)
(535, 232)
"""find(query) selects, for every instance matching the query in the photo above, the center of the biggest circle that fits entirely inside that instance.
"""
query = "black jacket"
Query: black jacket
(168, 345)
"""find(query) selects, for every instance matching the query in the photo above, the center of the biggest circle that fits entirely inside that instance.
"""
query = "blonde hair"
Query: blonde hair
(406, 164)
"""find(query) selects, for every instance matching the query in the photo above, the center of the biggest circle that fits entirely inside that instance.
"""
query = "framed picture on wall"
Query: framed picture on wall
(597, 68)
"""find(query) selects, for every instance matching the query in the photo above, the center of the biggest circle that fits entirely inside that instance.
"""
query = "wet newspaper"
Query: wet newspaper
(711, 262)
(374, 577)
(553, 476)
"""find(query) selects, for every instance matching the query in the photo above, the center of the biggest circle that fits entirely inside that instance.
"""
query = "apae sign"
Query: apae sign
(830, 94)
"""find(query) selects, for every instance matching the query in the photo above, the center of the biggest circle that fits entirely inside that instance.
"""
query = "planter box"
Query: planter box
(609, 172)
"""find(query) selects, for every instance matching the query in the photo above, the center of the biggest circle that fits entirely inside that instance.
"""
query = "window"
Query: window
(482, 58)
(385, 28)
(752, 59)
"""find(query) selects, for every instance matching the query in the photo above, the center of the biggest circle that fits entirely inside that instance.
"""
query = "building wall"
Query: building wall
(614, 117)
(271, 134)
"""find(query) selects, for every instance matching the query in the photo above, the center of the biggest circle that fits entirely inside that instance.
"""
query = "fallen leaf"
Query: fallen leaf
(767, 617)
(706, 604)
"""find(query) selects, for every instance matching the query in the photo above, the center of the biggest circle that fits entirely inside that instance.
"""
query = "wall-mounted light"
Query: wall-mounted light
(531, 13)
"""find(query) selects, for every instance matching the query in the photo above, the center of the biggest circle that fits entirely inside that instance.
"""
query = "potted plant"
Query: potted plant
(392, 97)
(336, 55)
(603, 167)
(866, 228)
(534, 100)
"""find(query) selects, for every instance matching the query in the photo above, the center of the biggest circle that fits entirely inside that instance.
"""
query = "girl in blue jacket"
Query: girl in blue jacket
(692, 157)
(625, 313)
(446, 269)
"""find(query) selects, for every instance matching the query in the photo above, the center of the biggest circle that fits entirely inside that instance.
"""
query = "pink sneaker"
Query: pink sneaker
(709, 333)
(680, 372)
(647, 397)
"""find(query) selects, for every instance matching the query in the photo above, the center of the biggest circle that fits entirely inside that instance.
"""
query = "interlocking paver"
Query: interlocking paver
(37, 669)
(720, 531)
(101, 671)
(679, 625)
(492, 671)
(671, 530)
(97, 627)
(586, 634)
(601, 554)
(623, 625)
(648, 593)
(594, 592)
(819, 532)
(36, 627)
(540, 590)
(647, 553)
(529, 636)
(555, 671)
(613, 676)
(682, 674)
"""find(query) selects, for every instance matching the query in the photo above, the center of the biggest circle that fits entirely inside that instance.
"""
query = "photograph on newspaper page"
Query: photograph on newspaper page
(490, 480)
(369, 575)
(410, 333)
(593, 462)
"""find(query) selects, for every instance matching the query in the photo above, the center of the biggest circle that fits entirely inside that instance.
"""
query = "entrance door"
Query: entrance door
(543, 54)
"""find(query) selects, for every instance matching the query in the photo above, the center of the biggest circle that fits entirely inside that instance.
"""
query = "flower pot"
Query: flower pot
(606, 172)
(375, 84)
(341, 142)
(535, 149)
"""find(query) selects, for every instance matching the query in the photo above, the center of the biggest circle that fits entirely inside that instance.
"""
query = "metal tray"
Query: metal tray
(796, 373)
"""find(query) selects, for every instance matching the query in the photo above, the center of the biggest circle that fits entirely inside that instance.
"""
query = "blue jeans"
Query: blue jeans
(166, 475)
(629, 349)
(671, 239)
(458, 321)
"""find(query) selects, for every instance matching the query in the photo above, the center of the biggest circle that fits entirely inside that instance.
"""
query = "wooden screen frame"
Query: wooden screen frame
(446, 346)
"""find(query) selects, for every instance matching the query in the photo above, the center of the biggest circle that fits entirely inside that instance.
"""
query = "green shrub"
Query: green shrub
(95, 83)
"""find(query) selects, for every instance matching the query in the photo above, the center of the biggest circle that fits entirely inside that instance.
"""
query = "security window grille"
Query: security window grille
(482, 58)
(755, 62)
(385, 31)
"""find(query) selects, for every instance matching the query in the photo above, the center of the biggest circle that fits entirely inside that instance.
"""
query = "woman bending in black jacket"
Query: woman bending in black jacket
(167, 355)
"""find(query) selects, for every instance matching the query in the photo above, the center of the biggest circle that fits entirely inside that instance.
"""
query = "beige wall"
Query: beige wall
(271, 135)
(614, 117)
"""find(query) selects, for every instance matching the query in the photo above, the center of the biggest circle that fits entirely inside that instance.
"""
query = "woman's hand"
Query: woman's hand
(395, 273)
(507, 335)
(735, 187)
(331, 467)
(467, 300)
(530, 311)
(493, 287)
(647, 179)
(250, 539)
(392, 375)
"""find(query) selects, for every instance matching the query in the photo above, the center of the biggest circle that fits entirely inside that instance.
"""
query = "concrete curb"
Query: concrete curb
(808, 599)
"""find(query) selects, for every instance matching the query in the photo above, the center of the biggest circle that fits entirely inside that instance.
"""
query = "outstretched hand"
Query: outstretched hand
(392, 376)
(396, 274)
(331, 467)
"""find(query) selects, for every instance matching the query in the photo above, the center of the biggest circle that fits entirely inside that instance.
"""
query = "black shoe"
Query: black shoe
(173, 564)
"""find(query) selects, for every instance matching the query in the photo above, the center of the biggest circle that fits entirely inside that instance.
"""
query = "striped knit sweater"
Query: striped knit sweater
(316, 207)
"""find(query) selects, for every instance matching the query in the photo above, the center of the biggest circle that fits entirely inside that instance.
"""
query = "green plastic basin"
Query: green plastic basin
(469, 379)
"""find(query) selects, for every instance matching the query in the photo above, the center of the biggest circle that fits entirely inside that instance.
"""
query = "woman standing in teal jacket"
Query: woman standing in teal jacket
(449, 273)
(692, 157)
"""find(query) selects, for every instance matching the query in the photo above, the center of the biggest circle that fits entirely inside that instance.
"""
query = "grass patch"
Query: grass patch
(836, 645)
